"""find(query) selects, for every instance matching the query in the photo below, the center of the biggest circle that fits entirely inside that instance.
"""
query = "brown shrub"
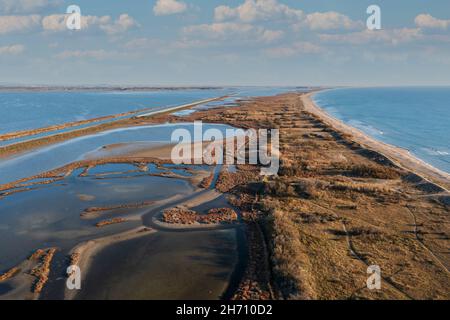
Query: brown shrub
(372, 171)
(280, 188)
(206, 182)
(185, 216)
(289, 259)
(310, 189)
(9, 274)
(105, 223)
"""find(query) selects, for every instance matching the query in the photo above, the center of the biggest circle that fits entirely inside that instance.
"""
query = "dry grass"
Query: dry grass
(327, 181)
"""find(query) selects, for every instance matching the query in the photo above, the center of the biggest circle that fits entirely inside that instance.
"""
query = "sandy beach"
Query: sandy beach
(398, 155)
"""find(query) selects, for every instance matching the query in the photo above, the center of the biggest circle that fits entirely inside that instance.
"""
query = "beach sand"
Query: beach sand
(399, 156)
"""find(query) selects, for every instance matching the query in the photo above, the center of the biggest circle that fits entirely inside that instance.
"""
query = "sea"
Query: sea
(413, 118)
(26, 110)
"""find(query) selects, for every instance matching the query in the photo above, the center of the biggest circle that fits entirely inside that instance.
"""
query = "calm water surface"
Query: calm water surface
(415, 118)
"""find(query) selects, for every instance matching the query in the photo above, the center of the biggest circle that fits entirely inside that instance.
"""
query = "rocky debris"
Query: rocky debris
(9, 274)
(42, 270)
(74, 258)
(143, 167)
(37, 254)
(108, 222)
(255, 284)
(185, 216)
(206, 182)
(251, 290)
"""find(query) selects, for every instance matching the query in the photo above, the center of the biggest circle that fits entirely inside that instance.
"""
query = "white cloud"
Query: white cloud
(122, 24)
(188, 44)
(9, 24)
(297, 48)
(392, 36)
(142, 43)
(329, 21)
(93, 54)
(57, 22)
(253, 10)
(218, 30)
(233, 31)
(12, 49)
(166, 7)
(25, 6)
(427, 21)
(271, 35)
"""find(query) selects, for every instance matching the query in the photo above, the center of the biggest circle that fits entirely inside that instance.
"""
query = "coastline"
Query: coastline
(255, 230)
(153, 117)
(399, 156)
(83, 254)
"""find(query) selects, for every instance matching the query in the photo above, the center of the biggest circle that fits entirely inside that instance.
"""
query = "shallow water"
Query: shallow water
(168, 264)
(31, 110)
(60, 154)
(415, 118)
(164, 265)
(50, 215)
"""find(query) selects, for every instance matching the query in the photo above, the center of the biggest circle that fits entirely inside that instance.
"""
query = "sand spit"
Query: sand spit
(401, 157)
(179, 108)
(108, 222)
(335, 199)
(152, 118)
(206, 182)
(26, 133)
(328, 178)
(9, 274)
(94, 212)
(29, 277)
(83, 254)
(42, 271)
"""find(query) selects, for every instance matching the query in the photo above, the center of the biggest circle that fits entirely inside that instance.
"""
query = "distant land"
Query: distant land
(40, 88)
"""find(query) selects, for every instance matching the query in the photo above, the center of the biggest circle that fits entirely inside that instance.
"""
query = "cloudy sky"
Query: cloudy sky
(219, 42)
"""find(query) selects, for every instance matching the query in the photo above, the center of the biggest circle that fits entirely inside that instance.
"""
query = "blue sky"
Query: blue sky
(218, 42)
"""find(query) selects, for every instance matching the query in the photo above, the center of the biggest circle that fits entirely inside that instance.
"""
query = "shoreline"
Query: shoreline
(86, 251)
(32, 144)
(399, 156)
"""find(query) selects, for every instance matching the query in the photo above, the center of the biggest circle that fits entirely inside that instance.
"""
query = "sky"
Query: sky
(219, 42)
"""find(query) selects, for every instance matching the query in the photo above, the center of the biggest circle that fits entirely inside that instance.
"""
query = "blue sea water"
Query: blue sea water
(30, 110)
(413, 118)
(60, 154)
(27, 110)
